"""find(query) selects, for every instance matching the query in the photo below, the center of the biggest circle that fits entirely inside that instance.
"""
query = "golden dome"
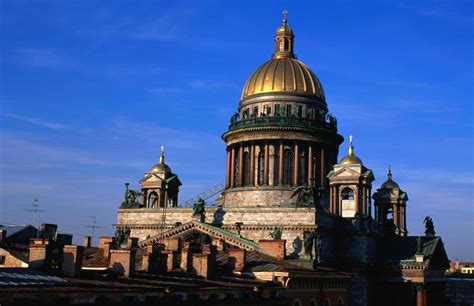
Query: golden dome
(161, 166)
(350, 158)
(283, 74)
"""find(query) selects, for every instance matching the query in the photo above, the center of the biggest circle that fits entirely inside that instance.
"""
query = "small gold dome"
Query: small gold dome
(283, 74)
(284, 28)
(350, 158)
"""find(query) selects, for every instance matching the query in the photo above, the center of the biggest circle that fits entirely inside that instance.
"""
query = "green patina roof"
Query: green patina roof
(228, 233)
(402, 250)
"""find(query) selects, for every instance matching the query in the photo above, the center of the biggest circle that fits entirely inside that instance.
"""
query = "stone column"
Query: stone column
(405, 219)
(280, 165)
(420, 295)
(323, 169)
(310, 164)
(265, 166)
(232, 167)
(227, 170)
(241, 163)
(331, 200)
(364, 200)
(252, 165)
(295, 165)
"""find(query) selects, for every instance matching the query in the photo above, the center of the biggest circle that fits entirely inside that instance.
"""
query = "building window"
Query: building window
(276, 165)
(261, 167)
(246, 168)
(282, 45)
(300, 111)
(2, 260)
(236, 169)
(255, 111)
(297, 303)
(302, 169)
(288, 110)
(153, 199)
(327, 302)
(277, 109)
(267, 110)
(347, 194)
(340, 301)
(313, 303)
(287, 167)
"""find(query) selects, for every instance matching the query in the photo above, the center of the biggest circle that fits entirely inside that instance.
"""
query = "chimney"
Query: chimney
(123, 262)
(3, 238)
(105, 244)
(273, 247)
(86, 242)
(48, 231)
(64, 239)
(236, 259)
(171, 259)
(40, 253)
(72, 260)
(132, 243)
(204, 263)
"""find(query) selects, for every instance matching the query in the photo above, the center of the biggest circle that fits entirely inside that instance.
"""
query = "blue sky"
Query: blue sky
(90, 90)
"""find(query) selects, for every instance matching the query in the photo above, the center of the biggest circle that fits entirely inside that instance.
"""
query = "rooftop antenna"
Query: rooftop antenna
(93, 226)
(35, 209)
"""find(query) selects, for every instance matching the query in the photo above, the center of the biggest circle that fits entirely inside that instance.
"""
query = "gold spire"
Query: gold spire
(351, 147)
(162, 154)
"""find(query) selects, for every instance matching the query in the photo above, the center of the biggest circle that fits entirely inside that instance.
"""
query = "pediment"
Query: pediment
(151, 178)
(346, 172)
(204, 228)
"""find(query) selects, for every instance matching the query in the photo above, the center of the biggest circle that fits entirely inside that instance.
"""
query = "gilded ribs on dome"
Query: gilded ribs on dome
(285, 74)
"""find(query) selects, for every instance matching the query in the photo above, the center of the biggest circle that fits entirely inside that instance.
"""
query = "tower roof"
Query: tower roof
(389, 183)
(350, 158)
(161, 166)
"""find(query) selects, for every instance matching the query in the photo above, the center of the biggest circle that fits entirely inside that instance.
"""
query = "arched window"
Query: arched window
(297, 303)
(286, 45)
(347, 194)
(236, 169)
(153, 199)
(327, 302)
(287, 167)
(246, 168)
(313, 303)
(276, 165)
(282, 45)
(340, 301)
(261, 167)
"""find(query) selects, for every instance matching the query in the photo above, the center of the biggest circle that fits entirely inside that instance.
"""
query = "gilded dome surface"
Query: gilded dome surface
(350, 160)
(283, 74)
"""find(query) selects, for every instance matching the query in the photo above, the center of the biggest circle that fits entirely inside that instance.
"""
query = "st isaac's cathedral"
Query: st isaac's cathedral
(287, 196)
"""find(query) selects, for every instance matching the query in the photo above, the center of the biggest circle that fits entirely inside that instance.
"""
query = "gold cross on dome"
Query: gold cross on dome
(284, 14)
(162, 149)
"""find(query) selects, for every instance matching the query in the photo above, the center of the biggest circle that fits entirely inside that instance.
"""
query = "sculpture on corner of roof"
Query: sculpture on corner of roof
(308, 243)
(130, 198)
(198, 207)
(121, 235)
(307, 196)
(429, 227)
(276, 233)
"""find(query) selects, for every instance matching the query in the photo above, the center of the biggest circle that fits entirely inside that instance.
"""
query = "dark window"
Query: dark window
(347, 194)
(246, 168)
(236, 169)
(327, 303)
(261, 167)
(277, 109)
(300, 111)
(287, 167)
(2, 260)
(255, 111)
(276, 166)
(288, 110)
(340, 302)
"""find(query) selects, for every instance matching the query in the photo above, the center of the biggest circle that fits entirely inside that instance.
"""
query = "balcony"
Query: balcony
(263, 121)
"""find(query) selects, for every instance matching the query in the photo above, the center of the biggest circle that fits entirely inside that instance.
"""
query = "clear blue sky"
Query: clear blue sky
(91, 89)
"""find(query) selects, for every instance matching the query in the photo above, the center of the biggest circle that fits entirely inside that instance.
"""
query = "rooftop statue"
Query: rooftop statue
(307, 196)
(276, 233)
(130, 198)
(198, 207)
(121, 235)
(308, 237)
(429, 226)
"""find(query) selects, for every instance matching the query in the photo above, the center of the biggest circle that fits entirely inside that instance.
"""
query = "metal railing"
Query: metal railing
(283, 121)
